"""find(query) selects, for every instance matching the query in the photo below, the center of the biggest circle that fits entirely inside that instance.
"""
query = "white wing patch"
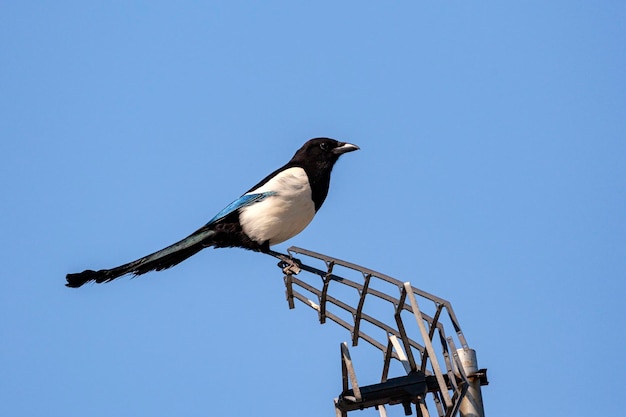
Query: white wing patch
(283, 215)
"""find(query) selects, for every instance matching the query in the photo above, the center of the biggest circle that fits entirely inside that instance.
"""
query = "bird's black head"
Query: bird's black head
(322, 152)
(317, 157)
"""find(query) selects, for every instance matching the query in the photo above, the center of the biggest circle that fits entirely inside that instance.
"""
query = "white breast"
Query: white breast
(283, 215)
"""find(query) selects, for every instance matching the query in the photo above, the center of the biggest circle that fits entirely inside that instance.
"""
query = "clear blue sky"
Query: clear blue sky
(492, 173)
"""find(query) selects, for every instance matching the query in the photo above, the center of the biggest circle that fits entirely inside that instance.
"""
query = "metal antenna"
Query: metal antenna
(437, 372)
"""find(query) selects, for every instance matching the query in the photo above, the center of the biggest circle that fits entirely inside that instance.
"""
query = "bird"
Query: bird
(276, 209)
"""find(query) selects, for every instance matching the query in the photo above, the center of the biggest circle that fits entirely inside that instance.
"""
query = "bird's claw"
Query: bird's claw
(289, 265)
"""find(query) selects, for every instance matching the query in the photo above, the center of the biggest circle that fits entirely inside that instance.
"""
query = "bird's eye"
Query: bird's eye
(324, 146)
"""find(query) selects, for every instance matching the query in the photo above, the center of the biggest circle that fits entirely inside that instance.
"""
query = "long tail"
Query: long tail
(157, 261)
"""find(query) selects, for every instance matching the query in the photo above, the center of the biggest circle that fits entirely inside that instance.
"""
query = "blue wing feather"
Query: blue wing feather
(243, 201)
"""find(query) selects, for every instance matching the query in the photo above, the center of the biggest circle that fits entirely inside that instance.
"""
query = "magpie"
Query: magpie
(273, 211)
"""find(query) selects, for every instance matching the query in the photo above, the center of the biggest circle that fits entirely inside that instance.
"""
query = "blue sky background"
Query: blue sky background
(491, 173)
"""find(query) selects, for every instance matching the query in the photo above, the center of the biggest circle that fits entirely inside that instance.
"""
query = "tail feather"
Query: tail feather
(157, 261)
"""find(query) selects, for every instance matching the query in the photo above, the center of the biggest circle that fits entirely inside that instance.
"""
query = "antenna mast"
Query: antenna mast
(421, 332)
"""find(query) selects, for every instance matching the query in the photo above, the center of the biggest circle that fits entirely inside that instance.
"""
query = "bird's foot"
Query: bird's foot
(289, 264)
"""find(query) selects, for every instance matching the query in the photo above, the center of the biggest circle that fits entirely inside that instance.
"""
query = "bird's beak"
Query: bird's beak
(345, 147)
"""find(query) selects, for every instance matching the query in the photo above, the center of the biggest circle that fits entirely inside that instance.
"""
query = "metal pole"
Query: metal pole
(472, 403)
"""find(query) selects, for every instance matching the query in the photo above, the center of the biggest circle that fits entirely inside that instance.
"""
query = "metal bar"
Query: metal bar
(435, 321)
(372, 341)
(373, 292)
(289, 290)
(429, 347)
(306, 301)
(359, 310)
(402, 330)
(347, 363)
(338, 411)
(324, 293)
(387, 359)
(433, 326)
(421, 408)
(446, 358)
(349, 265)
(459, 389)
(438, 405)
(455, 324)
(350, 310)
(369, 339)
(458, 372)
(344, 373)
(445, 351)
(401, 354)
